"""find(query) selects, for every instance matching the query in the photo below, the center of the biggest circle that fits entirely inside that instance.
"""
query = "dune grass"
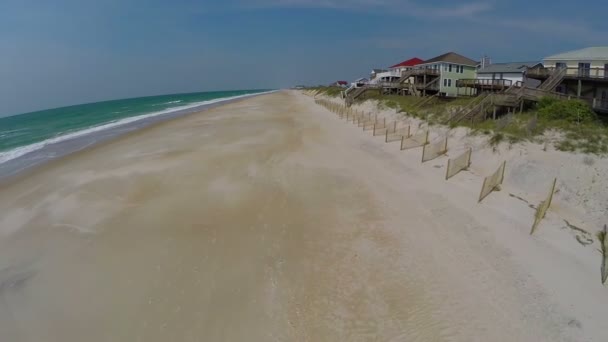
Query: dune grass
(329, 91)
(580, 129)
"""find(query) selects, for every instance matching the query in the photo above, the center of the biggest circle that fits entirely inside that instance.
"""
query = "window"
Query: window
(449, 82)
(462, 69)
(560, 65)
(450, 67)
(584, 69)
(445, 82)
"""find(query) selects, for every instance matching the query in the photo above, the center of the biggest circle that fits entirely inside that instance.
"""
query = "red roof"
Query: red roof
(342, 82)
(409, 63)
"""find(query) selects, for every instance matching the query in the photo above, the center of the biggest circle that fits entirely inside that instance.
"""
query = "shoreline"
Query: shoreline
(11, 169)
(271, 217)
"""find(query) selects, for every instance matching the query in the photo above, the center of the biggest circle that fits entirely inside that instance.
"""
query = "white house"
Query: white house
(394, 72)
(511, 73)
(580, 73)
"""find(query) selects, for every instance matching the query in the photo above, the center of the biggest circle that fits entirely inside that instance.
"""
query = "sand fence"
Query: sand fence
(362, 119)
(371, 126)
(492, 182)
(435, 150)
(416, 140)
(541, 211)
(380, 128)
(366, 118)
(460, 163)
(354, 117)
(604, 242)
(393, 132)
(337, 108)
(396, 133)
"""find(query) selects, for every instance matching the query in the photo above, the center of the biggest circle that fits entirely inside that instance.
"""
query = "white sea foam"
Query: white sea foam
(23, 150)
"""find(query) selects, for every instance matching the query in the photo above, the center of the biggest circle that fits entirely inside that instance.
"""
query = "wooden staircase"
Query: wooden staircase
(406, 75)
(511, 97)
(479, 104)
(354, 94)
(431, 83)
(554, 80)
(425, 101)
(413, 90)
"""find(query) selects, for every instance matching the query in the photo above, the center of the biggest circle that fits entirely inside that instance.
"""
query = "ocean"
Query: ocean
(31, 139)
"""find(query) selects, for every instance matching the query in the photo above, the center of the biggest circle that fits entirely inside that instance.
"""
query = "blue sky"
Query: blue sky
(62, 52)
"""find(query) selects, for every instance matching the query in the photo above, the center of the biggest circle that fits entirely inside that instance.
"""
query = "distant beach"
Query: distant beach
(32, 139)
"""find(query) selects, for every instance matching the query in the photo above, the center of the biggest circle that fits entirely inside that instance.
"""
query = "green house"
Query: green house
(441, 73)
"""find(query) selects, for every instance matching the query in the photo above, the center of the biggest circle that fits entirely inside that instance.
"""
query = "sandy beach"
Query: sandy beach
(270, 219)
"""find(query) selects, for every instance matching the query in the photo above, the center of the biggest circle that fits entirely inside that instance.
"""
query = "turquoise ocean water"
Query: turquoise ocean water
(24, 137)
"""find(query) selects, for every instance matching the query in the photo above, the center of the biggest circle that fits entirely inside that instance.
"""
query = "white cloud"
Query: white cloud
(398, 7)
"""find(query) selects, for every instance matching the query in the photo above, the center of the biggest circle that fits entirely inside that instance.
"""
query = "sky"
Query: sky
(64, 52)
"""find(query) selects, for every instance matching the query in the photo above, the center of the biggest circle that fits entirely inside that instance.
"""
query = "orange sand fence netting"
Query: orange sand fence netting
(462, 162)
(416, 140)
(492, 182)
(395, 133)
(541, 211)
(432, 151)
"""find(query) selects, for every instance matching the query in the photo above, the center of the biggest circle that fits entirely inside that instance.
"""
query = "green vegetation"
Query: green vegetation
(580, 128)
(329, 91)
(405, 104)
(434, 111)
(571, 111)
(497, 138)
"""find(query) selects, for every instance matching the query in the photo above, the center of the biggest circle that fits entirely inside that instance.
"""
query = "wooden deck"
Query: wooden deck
(484, 84)
(593, 74)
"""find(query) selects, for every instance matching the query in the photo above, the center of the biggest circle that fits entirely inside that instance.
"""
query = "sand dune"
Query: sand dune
(269, 219)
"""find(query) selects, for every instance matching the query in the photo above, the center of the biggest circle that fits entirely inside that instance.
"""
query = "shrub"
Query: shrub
(566, 146)
(496, 139)
(573, 111)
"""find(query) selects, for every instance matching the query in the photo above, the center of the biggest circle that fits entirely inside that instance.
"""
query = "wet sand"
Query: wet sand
(266, 220)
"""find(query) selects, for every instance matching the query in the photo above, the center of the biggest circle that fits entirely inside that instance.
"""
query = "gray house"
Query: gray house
(500, 76)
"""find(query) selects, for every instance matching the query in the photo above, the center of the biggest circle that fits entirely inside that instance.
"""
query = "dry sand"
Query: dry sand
(270, 219)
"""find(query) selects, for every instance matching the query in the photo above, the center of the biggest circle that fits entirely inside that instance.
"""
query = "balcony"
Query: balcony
(425, 71)
(572, 73)
(484, 83)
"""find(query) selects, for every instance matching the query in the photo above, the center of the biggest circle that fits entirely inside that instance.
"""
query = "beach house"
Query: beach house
(579, 74)
(439, 75)
(498, 77)
(409, 64)
(374, 76)
(392, 76)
